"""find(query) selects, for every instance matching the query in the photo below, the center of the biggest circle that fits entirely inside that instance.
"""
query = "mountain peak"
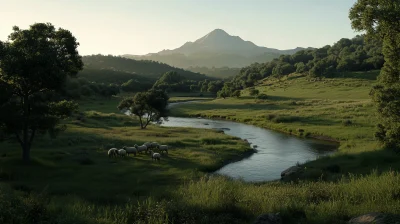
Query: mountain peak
(218, 32)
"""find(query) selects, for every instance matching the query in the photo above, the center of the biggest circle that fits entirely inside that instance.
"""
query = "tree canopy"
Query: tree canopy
(147, 106)
(381, 19)
(34, 65)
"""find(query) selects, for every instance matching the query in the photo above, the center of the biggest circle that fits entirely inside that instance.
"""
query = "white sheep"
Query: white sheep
(112, 152)
(140, 148)
(163, 148)
(147, 144)
(155, 155)
(130, 150)
(122, 152)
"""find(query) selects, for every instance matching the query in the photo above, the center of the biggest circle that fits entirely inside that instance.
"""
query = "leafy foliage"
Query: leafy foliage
(380, 19)
(151, 105)
(357, 54)
(34, 65)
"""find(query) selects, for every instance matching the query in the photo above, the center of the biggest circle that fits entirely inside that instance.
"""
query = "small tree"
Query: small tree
(148, 106)
(254, 92)
(34, 65)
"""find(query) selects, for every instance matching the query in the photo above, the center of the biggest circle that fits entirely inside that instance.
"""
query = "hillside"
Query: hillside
(216, 49)
(111, 76)
(149, 70)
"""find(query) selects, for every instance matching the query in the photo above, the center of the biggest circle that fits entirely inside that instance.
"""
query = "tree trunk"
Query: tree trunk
(26, 146)
(26, 153)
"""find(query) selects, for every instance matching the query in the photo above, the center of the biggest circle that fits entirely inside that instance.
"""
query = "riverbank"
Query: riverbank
(79, 155)
(336, 110)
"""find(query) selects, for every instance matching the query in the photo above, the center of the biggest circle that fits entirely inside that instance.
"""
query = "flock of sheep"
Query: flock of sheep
(146, 147)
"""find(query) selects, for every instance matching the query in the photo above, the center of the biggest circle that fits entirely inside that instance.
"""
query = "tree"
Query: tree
(380, 18)
(34, 65)
(254, 92)
(150, 106)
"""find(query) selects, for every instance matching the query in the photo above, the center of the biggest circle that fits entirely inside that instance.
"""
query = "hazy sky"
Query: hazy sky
(144, 26)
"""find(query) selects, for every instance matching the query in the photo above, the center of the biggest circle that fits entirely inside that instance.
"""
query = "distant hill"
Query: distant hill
(120, 69)
(216, 49)
(111, 76)
(221, 73)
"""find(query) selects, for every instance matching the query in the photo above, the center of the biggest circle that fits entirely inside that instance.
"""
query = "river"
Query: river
(275, 151)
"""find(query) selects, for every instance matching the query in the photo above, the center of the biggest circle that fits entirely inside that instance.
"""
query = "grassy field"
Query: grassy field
(71, 179)
(336, 109)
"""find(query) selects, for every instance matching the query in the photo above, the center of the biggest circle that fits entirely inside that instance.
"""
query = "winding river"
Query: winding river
(275, 151)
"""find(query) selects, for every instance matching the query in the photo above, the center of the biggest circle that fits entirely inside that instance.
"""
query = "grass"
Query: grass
(71, 179)
(335, 109)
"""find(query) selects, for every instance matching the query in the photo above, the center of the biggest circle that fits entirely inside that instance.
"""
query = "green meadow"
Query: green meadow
(72, 180)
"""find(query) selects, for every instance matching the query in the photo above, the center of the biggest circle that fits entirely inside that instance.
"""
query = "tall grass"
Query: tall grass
(218, 199)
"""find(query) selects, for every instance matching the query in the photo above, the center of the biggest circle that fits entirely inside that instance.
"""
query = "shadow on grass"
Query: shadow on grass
(332, 168)
(369, 75)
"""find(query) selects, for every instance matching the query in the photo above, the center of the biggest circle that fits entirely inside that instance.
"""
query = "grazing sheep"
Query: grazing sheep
(147, 144)
(155, 155)
(140, 148)
(163, 148)
(130, 150)
(154, 145)
(112, 152)
(122, 152)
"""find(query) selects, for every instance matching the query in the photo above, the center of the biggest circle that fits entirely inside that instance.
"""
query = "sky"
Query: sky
(147, 26)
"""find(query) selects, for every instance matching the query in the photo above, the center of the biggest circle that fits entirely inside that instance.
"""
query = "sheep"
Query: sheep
(112, 152)
(148, 144)
(163, 148)
(141, 148)
(155, 155)
(122, 152)
(154, 145)
(130, 150)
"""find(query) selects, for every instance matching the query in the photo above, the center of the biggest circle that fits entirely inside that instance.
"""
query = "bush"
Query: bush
(285, 119)
(262, 96)
(347, 122)
(254, 92)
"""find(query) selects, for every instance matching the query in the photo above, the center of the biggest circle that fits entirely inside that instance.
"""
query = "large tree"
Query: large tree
(381, 19)
(34, 64)
(147, 106)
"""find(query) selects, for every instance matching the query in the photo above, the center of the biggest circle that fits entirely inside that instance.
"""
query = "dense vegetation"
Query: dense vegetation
(357, 54)
(149, 69)
(381, 20)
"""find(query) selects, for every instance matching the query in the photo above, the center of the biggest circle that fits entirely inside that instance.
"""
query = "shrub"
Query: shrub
(347, 122)
(262, 96)
(254, 92)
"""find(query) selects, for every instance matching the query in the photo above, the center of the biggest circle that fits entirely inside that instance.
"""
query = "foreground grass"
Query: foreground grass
(218, 200)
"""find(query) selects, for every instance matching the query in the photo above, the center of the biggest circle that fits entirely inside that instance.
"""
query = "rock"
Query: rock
(290, 170)
(269, 218)
(376, 218)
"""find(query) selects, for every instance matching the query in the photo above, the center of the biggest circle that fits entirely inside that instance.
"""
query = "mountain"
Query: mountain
(150, 70)
(216, 49)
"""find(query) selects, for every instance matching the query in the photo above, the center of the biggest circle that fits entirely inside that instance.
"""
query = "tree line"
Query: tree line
(356, 54)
